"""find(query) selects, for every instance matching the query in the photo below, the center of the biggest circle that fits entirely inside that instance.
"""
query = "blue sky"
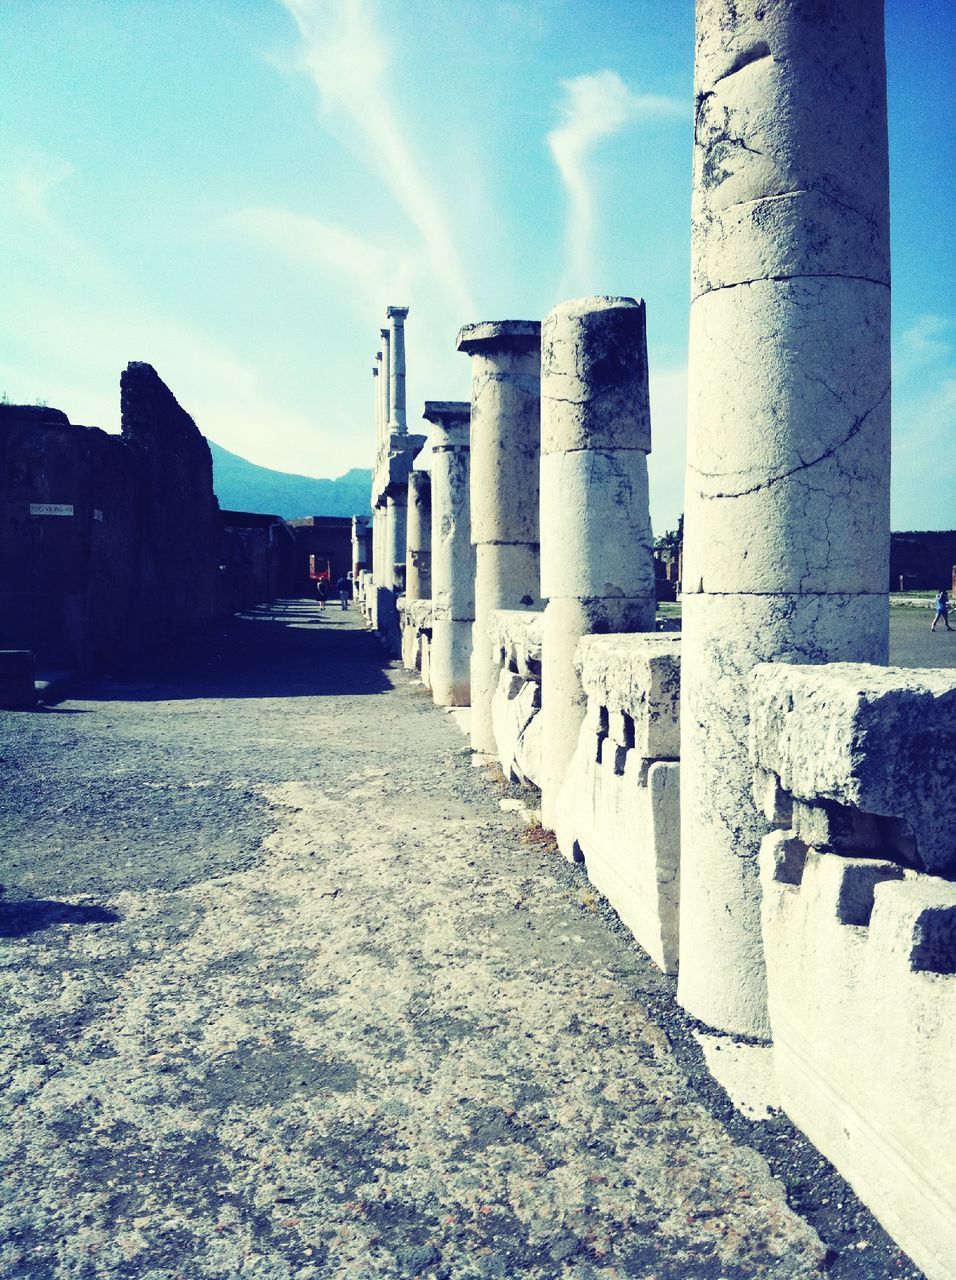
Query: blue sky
(233, 190)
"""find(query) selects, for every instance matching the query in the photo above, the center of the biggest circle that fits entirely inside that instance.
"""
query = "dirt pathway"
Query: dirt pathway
(286, 995)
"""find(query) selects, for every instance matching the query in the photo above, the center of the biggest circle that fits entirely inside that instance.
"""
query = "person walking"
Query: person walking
(321, 591)
(941, 609)
(344, 588)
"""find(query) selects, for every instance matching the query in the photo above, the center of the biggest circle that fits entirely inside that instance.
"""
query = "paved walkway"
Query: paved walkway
(288, 995)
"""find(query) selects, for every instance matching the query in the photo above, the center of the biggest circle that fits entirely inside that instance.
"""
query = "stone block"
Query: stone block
(861, 969)
(639, 674)
(867, 754)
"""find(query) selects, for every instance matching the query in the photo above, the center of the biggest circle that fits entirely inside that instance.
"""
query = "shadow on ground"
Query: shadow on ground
(17, 919)
(288, 649)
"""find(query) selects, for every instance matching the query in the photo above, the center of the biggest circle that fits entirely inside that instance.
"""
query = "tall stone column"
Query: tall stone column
(453, 556)
(787, 504)
(418, 565)
(597, 550)
(377, 375)
(386, 381)
(396, 373)
(505, 449)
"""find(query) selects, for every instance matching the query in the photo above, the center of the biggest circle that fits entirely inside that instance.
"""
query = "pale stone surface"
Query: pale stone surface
(505, 447)
(722, 979)
(619, 808)
(597, 559)
(861, 958)
(418, 566)
(415, 617)
(516, 640)
(744, 1071)
(787, 503)
(453, 556)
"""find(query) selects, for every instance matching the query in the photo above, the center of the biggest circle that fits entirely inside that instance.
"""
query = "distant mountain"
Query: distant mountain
(242, 486)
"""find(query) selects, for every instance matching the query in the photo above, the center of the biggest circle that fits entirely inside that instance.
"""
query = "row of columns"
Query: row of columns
(786, 512)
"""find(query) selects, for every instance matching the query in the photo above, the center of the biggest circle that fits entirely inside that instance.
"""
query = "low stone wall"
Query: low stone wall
(415, 620)
(854, 766)
(516, 643)
(619, 806)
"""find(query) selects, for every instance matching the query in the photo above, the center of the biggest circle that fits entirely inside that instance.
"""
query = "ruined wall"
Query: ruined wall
(327, 538)
(178, 562)
(108, 544)
(259, 560)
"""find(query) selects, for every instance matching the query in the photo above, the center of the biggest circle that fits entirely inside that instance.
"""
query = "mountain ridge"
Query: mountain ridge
(241, 485)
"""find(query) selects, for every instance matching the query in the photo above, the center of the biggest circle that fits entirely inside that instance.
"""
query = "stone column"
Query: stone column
(418, 567)
(505, 449)
(396, 535)
(396, 373)
(597, 557)
(379, 416)
(453, 556)
(359, 545)
(386, 381)
(786, 547)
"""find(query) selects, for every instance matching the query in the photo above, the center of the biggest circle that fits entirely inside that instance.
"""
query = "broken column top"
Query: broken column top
(499, 335)
(447, 412)
(396, 313)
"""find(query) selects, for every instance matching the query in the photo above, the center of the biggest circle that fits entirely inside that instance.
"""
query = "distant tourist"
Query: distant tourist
(322, 591)
(344, 588)
(941, 610)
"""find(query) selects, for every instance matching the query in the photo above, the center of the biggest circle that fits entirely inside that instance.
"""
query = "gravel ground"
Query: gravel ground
(286, 994)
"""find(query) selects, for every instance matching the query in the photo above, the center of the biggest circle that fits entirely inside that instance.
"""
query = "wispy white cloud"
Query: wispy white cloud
(594, 107)
(348, 59)
(371, 270)
(927, 341)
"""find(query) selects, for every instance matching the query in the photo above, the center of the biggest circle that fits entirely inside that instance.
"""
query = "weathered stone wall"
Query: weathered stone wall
(259, 560)
(855, 768)
(618, 809)
(177, 567)
(108, 544)
(516, 641)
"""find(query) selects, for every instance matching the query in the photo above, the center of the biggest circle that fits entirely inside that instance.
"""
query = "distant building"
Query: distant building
(324, 548)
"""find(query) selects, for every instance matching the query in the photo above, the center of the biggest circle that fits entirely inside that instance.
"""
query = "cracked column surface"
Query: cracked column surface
(453, 556)
(597, 557)
(418, 572)
(787, 504)
(396, 369)
(505, 450)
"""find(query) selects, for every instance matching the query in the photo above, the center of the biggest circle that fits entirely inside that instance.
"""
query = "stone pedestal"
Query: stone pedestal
(787, 504)
(453, 556)
(418, 564)
(505, 447)
(597, 558)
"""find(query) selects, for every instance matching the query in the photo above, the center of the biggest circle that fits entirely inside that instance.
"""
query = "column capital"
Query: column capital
(396, 313)
(499, 335)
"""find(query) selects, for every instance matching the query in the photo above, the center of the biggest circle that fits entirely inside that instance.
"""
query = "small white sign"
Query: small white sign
(51, 508)
(97, 515)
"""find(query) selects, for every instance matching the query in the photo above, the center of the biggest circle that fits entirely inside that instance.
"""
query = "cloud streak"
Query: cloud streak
(594, 107)
(347, 59)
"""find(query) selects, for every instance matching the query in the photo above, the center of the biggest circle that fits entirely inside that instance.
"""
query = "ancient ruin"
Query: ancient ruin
(597, 571)
(791, 261)
(505, 450)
